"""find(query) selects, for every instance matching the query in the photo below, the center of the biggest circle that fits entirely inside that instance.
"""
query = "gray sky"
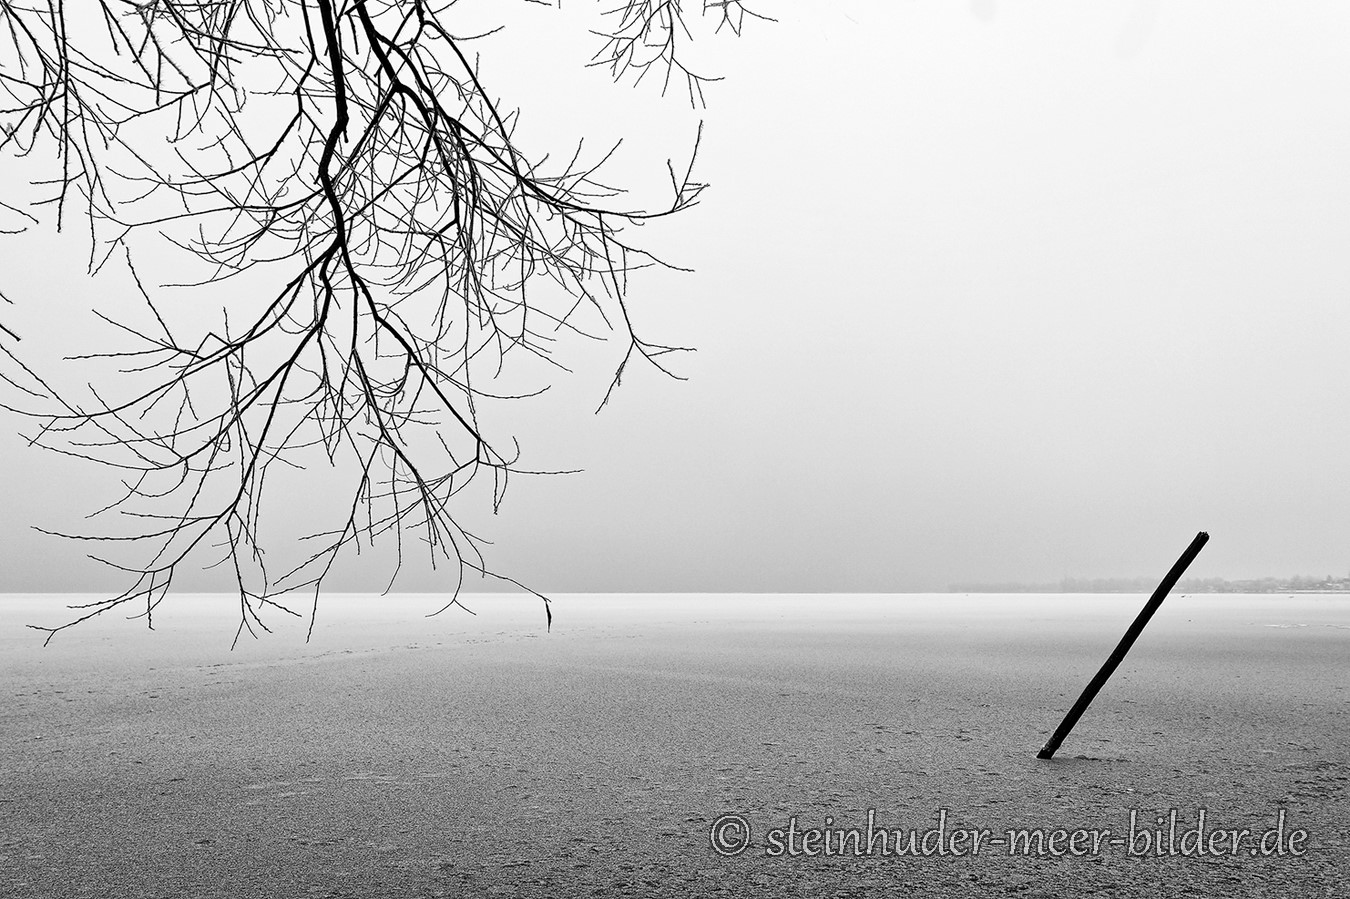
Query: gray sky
(981, 292)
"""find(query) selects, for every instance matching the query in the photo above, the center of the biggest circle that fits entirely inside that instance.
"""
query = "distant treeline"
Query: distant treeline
(1185, 585)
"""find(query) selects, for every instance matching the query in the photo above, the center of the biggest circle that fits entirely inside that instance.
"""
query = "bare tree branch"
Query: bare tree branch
(348, 153)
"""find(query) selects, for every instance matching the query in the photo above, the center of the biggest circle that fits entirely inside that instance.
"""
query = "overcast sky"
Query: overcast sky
(981, 292)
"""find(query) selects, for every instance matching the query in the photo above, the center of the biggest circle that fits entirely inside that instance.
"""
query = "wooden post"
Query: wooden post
(1095, 685)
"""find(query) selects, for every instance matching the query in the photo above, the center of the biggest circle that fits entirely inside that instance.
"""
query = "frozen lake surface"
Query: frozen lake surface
(398, 755)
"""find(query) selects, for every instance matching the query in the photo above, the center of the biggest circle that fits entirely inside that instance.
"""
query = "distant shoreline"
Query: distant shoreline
(1146, 585)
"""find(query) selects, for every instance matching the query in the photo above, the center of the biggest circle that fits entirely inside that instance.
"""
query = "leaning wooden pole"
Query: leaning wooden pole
(1095, 685)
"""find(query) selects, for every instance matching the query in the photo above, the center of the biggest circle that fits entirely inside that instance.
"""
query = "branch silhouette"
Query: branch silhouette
(348, 154)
